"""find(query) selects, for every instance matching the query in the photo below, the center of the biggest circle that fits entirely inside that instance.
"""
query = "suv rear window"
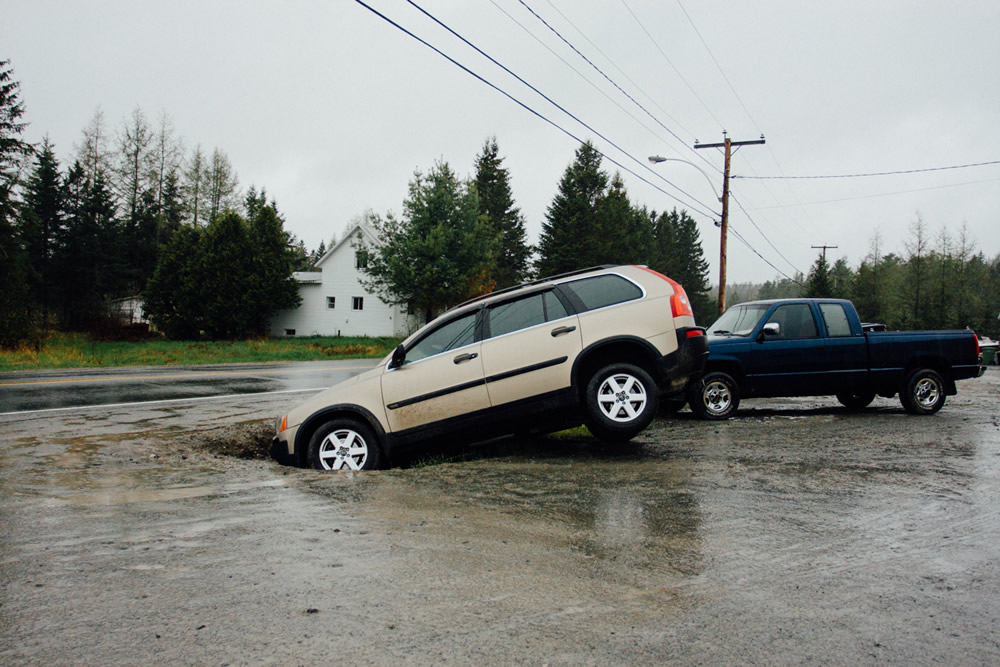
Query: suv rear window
(601, 291)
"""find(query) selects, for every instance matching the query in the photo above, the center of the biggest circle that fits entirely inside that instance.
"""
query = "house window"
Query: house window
(289, 332)
(331, 302)
(359, 303)
(360, 261)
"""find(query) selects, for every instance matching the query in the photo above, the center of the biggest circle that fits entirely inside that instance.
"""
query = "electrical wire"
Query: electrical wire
(740, 238)
(612, 82)
(738, 203)
(880, 194)
(559, 106)
(877, 173)
(517, 101)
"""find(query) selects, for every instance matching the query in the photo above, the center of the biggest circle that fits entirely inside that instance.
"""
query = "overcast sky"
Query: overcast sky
(332, 109)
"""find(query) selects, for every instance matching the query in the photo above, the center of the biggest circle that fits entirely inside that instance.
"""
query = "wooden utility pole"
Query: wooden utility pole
(824, 247)
(727, 144)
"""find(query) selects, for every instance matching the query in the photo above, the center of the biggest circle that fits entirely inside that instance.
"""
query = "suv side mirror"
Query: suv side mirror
(398, 357)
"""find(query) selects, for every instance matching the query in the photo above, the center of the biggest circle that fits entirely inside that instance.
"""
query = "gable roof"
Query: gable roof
(365, 230)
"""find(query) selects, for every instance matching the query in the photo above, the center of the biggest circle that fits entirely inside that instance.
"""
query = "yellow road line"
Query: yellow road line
(174, 376)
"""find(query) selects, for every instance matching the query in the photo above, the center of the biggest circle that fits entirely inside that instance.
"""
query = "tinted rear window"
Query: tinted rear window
(601, 291)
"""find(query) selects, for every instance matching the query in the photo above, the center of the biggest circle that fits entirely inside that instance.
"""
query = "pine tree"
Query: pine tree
(819, 284)
(439, 253)
(497, 202)
(570, 238)
(15, 296)
(41, 221)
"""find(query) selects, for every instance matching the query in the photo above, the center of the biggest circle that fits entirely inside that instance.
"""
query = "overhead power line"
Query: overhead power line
(877, 173)
(521, 104)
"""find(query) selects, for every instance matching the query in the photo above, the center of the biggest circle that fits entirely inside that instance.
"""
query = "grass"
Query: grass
(79, 351)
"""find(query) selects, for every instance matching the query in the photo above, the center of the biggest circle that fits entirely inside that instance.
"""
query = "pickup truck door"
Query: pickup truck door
(791, 362)
(846, 350)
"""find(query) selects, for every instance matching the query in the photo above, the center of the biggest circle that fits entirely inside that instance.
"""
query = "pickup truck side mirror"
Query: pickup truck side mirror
(770, 329)
(398, 357)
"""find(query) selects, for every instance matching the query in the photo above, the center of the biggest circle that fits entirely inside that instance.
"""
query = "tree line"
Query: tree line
(460, 238)
(132, 214)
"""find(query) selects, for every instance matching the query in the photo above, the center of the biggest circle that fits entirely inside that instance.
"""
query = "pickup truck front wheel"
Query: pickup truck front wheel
(923, 392)
(715, 396)
(621, 401)
(856, 401)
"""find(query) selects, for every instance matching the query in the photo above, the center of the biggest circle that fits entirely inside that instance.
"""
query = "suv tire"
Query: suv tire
(620, 401)
(344, 444)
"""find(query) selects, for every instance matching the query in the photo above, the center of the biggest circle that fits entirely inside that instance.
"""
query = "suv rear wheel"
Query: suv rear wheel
(621, 400)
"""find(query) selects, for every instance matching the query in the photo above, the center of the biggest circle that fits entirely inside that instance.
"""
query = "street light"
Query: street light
(657, 159)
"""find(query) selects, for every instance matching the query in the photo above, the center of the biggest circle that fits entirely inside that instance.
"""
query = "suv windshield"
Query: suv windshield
(738, 320)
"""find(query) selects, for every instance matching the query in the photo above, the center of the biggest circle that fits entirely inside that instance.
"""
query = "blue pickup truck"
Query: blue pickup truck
(819, 347)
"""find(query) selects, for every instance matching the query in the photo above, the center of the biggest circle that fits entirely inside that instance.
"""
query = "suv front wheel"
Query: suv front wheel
(621, 400)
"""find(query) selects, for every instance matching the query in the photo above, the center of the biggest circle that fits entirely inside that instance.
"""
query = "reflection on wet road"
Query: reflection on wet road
(47, 390)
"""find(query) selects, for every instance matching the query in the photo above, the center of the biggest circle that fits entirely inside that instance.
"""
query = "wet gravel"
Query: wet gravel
(797, 533)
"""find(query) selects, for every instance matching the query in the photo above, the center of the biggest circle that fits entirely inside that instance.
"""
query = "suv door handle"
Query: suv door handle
(562, 331)
(462, 358)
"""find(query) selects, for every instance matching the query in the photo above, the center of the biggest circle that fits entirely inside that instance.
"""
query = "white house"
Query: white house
(335, 303)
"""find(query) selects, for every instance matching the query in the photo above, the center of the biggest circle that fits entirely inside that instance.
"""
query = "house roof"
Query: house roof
(365, 230)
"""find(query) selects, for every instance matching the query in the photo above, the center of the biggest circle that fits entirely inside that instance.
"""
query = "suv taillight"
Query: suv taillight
(679, 304)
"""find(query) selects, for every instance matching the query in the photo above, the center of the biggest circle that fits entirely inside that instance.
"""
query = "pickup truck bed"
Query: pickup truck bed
(819, 347)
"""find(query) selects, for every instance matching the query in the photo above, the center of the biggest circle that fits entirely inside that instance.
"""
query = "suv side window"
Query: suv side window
(796, 320)
(449, 336)
(836, 319)
(601, 291)
(522, 313)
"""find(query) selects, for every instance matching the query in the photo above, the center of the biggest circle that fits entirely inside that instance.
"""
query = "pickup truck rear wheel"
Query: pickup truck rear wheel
(856, 401)
(715, 396)
(620, 401)
(923, 392)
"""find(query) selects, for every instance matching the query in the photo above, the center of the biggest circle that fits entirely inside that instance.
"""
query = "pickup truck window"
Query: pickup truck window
(796, 321)
(738, 320)
(835, 318)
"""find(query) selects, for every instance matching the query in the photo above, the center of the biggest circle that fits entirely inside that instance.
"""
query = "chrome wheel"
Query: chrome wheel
(621, 397)
(926, 393)
(717, 397)
(343, 449)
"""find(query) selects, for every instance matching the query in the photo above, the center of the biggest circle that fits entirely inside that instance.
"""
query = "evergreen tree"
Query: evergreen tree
(819, 284)
(15, 296)
(570, 237)
(271, 285)
(497, 202)
(41, 222)
(439, 253)
(677, 252)
(173, 295)
(841, 279)
(624, 235)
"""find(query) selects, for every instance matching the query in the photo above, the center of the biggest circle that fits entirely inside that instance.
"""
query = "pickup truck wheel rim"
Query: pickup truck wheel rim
(717, 397)
(926, 393)
(343, 449)
(622, 397)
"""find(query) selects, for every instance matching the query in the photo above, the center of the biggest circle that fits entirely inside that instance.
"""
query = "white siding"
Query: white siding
(340, 279)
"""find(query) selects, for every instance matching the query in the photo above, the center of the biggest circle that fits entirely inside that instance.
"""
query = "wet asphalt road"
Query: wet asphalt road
(61, 389)
(798, 533)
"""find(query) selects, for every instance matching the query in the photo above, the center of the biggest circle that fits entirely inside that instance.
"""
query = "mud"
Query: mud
(797, 533)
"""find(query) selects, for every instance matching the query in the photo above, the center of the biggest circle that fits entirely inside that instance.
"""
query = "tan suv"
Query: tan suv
(596, 346)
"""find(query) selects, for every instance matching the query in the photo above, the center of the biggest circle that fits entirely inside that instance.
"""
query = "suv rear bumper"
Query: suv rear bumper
(687, 362)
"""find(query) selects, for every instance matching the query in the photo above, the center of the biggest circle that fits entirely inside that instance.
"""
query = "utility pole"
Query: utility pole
(824, 247)
(727, 144)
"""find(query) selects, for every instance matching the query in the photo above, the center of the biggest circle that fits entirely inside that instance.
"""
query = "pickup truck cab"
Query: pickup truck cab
(819, 347)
